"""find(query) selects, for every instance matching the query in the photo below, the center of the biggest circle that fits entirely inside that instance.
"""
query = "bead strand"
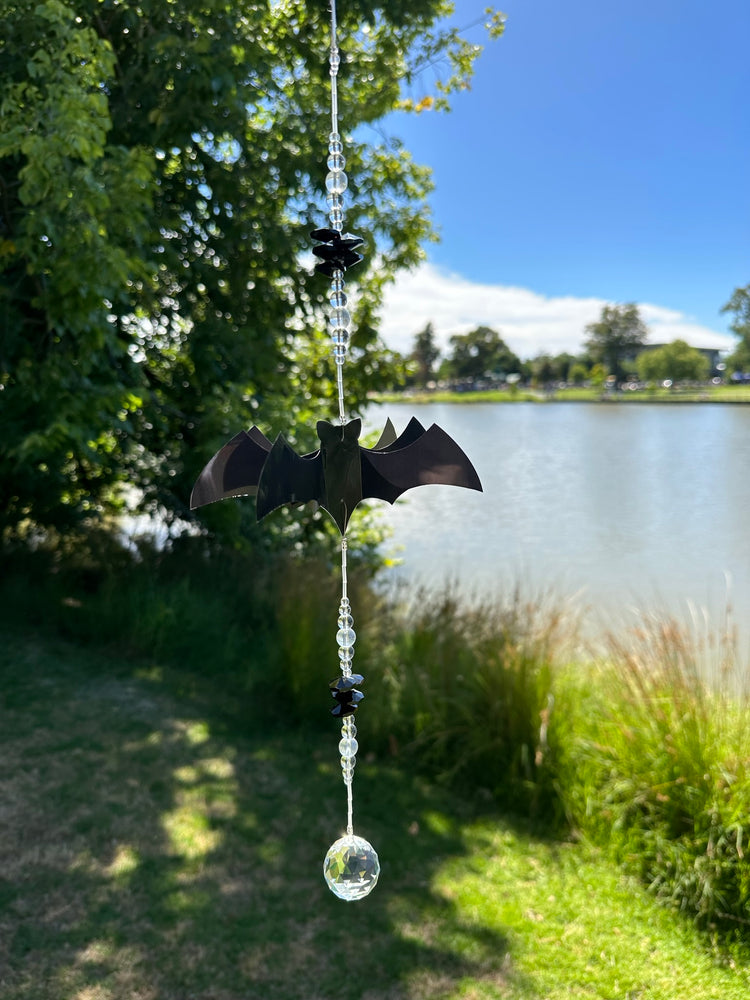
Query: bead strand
(351, 866)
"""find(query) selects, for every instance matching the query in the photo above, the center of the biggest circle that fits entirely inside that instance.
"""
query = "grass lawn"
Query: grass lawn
(150, 851)
(705, 394)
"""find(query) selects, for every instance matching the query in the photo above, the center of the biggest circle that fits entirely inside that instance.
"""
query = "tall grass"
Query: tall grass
(653, 758)
(646, 750)
(469, 691)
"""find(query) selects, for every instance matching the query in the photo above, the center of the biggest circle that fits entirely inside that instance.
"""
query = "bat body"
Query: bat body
(339, 474)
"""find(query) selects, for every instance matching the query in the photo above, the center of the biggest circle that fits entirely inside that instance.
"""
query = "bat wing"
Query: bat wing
(234, 470)
(289, 478)
(411, 433)
(424, 457)
(387, 437)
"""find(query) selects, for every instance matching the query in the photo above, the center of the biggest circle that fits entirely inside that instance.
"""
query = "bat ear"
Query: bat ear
(353, 429)
(326, 432)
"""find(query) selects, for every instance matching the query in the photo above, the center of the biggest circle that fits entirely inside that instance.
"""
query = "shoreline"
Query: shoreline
(723, 396)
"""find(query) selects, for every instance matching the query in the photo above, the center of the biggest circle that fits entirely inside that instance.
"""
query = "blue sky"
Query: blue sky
(601, 155)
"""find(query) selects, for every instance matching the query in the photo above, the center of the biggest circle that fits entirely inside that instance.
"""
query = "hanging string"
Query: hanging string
(334, 60)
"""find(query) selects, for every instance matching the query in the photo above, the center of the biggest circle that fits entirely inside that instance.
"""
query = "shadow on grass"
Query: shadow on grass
(149, 853)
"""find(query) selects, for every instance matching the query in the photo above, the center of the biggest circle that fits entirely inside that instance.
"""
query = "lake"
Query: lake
(626, 505)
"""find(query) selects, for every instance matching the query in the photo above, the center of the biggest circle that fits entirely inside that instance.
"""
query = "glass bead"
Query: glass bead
(351, 868)
(345, 685)
(334, 200)
(335, 61)
(346, 637)
(344, 603)
(346, 653)
(348, 747)
(337, 285)
(334, 143)
(339, 319)
(337, 299)
(337, 215)
(340, 338)
(345, 621)
(348, 728)
(336, 181)
(336, 161)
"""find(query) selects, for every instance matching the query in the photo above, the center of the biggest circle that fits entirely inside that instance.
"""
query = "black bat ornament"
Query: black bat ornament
(339, 474)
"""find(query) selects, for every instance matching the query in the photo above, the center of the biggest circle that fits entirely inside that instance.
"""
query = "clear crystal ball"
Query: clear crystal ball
(351, 868)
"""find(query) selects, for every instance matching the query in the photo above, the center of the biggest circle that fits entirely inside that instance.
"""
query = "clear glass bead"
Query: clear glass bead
(347, 768)
(346, 653)
(336, 181)
(339, 319)
(351, 868)
(344, 603)
(346, 637)
(348, 747)
(345, 621)
(339, 359)
(334, 143)
(334, 200)
(336, 161)
(340, 338)
(335, 61)
(348, 727)
(337, 299)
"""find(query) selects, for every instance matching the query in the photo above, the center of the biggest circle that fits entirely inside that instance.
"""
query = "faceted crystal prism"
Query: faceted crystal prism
(351, 868)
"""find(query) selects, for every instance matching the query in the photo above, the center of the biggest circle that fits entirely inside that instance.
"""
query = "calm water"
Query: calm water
(626, 505)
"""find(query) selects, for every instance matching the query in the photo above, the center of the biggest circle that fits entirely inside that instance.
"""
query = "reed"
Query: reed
(653, 758)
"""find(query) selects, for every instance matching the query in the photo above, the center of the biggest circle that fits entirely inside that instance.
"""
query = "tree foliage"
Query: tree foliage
(424, 355)
(616, 336)
(739, 304)
(480, 353)
(676, 361)
(162, 165)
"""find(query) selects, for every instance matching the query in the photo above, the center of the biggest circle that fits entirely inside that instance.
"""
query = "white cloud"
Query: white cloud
(528, 322)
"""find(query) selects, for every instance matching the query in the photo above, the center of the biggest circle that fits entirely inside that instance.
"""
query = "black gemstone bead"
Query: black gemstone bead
(341, 711)
(346, 683)
(337, 252)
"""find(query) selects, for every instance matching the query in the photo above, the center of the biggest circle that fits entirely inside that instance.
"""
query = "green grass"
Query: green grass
(704, 394)
(152, 848)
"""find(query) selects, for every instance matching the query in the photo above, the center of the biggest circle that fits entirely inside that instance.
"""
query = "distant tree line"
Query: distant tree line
(615, 348)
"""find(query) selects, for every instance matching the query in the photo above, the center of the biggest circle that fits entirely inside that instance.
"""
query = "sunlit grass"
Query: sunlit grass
(148, 851)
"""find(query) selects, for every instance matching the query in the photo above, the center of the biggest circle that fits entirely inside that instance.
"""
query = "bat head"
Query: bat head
(333, 435)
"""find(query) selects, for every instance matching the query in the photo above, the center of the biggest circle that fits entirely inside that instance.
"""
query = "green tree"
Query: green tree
(424, 355)
(676, 361)
(162, 165)
(544, 369)
(479, 354)
(739, 304)
(598, 376)
(616, 337)
(578, 373)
